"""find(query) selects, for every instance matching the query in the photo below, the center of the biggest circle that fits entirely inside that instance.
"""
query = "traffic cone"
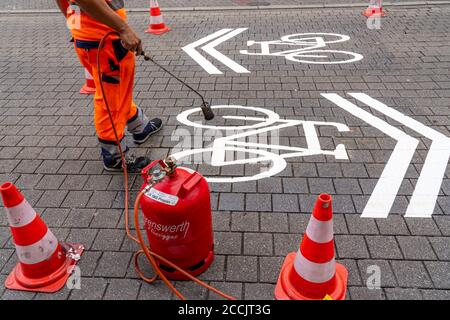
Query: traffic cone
(375, 8)
(44, 264)
(157, 25)
(312, 273)
(89, 86)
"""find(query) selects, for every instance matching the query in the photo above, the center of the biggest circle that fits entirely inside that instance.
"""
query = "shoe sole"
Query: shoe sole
(139, 142)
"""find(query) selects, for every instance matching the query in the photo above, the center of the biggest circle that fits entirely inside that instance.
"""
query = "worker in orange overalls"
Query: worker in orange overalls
(89, 21)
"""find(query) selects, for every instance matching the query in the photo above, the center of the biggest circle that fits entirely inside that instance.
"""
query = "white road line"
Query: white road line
(429, 183)
(190, 49)
(386, 190)
(210, 49)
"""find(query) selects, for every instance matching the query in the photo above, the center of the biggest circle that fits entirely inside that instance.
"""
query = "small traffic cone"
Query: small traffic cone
(312, 273)
(89, 86)
(156, 25)
(375, 8)
(44, 263)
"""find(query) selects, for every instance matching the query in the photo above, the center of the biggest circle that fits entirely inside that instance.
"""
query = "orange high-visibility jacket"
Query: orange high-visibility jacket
(87, 28)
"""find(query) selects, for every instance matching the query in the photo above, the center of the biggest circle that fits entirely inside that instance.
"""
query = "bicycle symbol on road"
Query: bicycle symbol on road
(244, 141)
(306, 48)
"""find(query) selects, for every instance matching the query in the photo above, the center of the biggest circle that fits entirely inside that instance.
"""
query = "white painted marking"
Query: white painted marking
(220, 36)
(425, 194)
(383, 196)
(210, 49)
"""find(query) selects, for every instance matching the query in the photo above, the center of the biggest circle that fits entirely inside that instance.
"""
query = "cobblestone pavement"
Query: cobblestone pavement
(50, 4)
(49, 149)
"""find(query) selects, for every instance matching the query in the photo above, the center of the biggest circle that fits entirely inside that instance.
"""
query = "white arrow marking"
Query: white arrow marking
(210, 49)
(427, 188)
(383, 196)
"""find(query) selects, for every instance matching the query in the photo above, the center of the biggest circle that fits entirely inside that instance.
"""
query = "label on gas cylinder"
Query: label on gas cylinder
(162, 197)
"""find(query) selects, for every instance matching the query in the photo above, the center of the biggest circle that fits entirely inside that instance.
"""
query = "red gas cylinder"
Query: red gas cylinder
(178, 218)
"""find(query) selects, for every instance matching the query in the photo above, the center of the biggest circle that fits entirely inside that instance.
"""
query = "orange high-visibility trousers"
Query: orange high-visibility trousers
(117, 67)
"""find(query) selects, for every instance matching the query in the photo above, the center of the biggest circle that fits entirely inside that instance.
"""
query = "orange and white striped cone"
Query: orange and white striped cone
(89, 86)
(312, 273)
(375, 8)
(44, 264)
(157, 25)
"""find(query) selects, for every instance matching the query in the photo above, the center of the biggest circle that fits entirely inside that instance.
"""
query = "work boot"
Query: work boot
(141, 128)
(112, 160)
(134, 164)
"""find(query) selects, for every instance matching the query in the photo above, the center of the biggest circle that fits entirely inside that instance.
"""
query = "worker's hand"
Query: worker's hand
(131, 41)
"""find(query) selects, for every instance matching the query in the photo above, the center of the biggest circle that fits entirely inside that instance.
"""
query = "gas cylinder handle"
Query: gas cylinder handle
(190, 182)
(150, 166)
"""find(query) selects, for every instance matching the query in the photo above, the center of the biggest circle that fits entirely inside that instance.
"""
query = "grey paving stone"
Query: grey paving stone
(258, 202)
(155, 291)
(242, 269)
(77, 199)
(191, 290)
(354, 278)
(411, 274)
(63, 294)
(439, 273)
(298, 222)
(231, 202)
(88, 261)
(55, 217)
(358, 225)
(403, 294)
(244, 221)
(269, 268)
(295, 185)
(259, 291)
(382, 247)
(441, 246)
(216, 271)
(443, 223)
(113, 264)
(363, 293)
(270, 185)
(108, 240)
(351, 246)
(321, 185)
(416, 248)
(122, 289)
(106, 218)
(228, 242)
(79, 218)
(286, 243)
(91, 289)
(422, 227)
(52, 199)
(258, 244)
(285, 203)
(436, 294)
(5, 255)
(18, 295)
(274, 222)
(221, 221)
(392, 225)
(84, 236)
(233, 289)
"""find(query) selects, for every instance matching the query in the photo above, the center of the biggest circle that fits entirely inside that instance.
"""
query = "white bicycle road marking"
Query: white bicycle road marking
(379, 205)
(269, 123)
(306, 48)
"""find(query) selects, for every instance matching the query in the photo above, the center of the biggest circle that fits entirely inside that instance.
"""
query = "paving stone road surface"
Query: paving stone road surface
(49, 4)
(48, 148)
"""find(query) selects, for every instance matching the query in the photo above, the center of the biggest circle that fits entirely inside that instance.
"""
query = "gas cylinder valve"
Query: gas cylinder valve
(171, 166)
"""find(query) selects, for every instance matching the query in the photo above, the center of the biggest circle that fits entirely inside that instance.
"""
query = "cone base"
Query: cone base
(176, 275)
(370, 13)
(157, 31)
(50, 284)
(284, 290)
(87, 90)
